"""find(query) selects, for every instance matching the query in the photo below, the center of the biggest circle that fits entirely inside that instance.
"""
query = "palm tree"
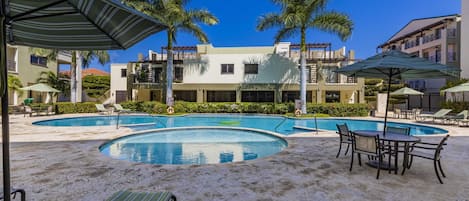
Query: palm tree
(296, 16)
(176, 18)
(51, 79)
(86, 56)
(14, 84)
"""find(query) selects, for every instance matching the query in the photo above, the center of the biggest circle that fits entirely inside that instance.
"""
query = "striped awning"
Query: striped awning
(76, 24)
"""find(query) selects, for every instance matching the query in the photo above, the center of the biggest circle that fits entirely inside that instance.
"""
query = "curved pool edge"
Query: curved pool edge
(88, 115)
(260, 131)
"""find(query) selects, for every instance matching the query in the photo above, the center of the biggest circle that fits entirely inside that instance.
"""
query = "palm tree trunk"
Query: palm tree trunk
(169, 71)
(303, 71)
(73, 80)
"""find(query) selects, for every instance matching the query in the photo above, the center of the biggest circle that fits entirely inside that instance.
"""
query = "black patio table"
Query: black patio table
(396, 139)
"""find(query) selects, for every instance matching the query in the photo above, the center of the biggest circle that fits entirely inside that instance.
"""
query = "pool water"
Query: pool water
(194, 146)
(286, 126)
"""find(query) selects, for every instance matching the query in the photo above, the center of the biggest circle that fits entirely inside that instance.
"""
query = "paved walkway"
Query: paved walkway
(63, 163)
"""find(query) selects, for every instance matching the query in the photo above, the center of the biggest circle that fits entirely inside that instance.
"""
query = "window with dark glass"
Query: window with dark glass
(38, 60)
(123, 72)
(257, 96)
(221, 96)
(227, 68)
(251, 68)
(189, 96)
(332, 96)
(291, 96)
(178, 74)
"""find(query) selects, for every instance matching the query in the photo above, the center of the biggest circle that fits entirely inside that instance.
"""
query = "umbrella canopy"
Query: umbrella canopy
(406, 91)
(41, 87)
(460, 88)
(397, 65)
(69, 25)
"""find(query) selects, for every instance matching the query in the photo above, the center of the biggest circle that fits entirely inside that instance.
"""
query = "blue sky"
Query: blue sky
(375, 21)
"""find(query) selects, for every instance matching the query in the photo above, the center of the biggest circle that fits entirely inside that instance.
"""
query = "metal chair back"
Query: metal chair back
(398, 130)
(366, 144)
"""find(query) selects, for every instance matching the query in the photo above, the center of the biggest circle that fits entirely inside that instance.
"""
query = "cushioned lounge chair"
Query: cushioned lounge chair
(462, 116)
(119, 108)
(101, 109)
(437, 115)
(142, 196)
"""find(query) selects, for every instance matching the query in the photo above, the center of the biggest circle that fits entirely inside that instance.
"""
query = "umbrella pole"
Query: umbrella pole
(4, 101)
(387, 104)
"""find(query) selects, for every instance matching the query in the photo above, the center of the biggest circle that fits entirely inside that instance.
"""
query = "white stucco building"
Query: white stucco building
(204, 73)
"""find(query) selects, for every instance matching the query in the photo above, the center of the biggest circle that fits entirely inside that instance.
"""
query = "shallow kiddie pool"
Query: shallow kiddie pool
(194, 145)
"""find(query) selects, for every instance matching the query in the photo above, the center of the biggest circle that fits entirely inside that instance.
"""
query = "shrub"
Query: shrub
(67, 108)
(455, 106)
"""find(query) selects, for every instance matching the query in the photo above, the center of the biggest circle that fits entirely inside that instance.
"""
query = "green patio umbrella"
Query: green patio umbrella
(407, 91)
(68, 25)
(458, 89)
(41, 87)
(397, 65)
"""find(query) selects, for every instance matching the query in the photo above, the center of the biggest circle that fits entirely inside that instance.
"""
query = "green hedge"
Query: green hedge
(67, 108)
(332, 109)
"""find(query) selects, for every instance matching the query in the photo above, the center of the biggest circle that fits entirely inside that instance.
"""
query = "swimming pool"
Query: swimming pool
(277, 124)
(200, 145)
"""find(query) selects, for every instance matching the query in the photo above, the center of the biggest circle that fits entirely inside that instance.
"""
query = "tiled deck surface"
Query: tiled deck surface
(63, 163)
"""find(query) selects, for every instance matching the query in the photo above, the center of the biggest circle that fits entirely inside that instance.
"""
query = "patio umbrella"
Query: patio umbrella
(41, 87)
(407, 91)
(65, 24)
(397, 65)
(458, 89)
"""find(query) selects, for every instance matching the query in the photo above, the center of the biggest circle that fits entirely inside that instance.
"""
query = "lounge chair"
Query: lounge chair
(142, 196)
(13, 191)
(101, 109)
(437, 115)
(119, 108)
(462, 116)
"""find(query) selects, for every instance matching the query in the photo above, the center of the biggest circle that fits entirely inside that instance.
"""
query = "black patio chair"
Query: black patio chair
(430, 151)
(344, 136)
(400, 148)
(368, 145)
(13, 192)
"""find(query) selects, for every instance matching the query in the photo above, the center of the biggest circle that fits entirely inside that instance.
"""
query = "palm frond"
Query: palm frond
(268, 21)
(195, 30)
(285, 33)
(50, 54)
(202, 16)
(333, 22)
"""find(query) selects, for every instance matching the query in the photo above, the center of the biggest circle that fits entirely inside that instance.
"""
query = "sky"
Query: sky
(375, 21)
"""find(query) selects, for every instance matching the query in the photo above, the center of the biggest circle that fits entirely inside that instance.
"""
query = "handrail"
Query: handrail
(117, 123)
(276, 127)
(316, 123)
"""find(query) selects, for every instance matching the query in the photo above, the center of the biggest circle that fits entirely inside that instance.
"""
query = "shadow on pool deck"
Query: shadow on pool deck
(306, 170)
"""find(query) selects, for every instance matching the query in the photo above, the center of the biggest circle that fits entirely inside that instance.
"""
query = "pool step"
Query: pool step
(305, 128)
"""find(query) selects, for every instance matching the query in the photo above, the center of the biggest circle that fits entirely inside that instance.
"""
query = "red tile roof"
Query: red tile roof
(89, 71)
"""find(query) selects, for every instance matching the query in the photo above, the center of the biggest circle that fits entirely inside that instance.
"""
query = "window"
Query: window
(189, 96)
(227, 68)
(123, 72)
(221, 96)
(290, 96)
(178, 74)
(257, 96)
(332, 96)
(38, 60)
(157, 75)
(250, 68)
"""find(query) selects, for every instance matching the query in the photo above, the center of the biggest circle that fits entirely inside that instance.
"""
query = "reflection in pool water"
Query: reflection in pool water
(194, 146)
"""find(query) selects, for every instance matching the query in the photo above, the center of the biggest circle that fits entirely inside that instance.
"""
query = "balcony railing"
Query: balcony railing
(451, 33)
(11, 65)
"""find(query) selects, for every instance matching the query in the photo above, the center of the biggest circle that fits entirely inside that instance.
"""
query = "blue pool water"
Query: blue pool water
(270, 123)
(194, 146)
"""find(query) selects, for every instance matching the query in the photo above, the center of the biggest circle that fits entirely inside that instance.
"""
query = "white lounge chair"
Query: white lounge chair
(119, 108)
(101, 109)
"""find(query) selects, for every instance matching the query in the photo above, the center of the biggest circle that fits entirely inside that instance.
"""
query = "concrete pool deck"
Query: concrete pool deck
(64, 163)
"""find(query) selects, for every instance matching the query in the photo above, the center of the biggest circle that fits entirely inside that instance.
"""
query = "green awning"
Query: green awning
(77, 24)
(41, 87)
(460, 88)
(406, 91)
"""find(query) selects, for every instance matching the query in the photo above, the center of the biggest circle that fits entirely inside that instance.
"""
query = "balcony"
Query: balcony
(451, 33)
